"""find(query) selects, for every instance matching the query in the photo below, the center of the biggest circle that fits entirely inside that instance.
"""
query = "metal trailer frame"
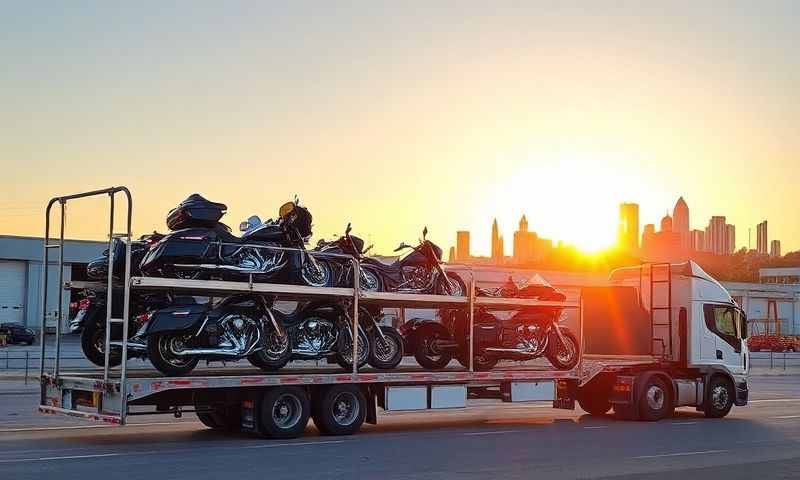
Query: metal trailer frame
(107, 398)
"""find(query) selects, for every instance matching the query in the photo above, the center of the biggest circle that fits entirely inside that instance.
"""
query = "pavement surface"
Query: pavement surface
(486, 440)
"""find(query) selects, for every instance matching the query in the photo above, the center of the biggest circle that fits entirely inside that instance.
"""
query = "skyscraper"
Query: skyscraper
(680, 217)
(628, 231)
(761, 238)
(730, 239)
(497, 243)
(666, 223)
(525, 243)
(775, 248)
(698, 241)
(462, 246)
(715, 235)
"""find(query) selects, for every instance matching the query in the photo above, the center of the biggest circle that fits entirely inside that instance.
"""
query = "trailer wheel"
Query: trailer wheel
(339, 410)
(655, 400)
(719, 399)
(209, 420)
(284, 412)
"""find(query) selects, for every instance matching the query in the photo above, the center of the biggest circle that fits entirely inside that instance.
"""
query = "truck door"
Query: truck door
(723, 322)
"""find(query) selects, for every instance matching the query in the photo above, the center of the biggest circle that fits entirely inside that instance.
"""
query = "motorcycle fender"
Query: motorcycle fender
(178, 318)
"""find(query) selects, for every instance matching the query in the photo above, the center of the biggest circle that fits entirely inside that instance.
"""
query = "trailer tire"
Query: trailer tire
(284, 412)
(209, 420)
(719, 399)
(655, 399)
(339, 409)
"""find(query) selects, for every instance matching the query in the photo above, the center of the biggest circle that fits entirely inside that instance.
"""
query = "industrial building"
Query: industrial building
(21, 277)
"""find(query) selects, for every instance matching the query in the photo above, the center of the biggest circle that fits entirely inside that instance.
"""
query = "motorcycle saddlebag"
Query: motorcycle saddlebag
(195, 211)
(177, 318)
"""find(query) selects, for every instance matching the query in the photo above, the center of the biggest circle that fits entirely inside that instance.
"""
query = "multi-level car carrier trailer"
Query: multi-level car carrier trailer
(659, 337)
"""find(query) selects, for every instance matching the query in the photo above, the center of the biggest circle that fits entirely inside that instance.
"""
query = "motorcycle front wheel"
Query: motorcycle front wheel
(276, 353)
(161, 352)
(387, 352)
(370, 281)
(316, 275)
(344, 347)
(563, 356)
(456, 286)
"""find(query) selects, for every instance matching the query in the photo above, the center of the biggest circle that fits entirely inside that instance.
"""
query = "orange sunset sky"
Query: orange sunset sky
(399, 115)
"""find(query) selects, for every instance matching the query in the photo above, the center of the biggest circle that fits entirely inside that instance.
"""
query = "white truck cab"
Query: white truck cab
(695, 353)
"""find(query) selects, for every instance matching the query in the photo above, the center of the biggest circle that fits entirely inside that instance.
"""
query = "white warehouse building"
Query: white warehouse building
(21, 277)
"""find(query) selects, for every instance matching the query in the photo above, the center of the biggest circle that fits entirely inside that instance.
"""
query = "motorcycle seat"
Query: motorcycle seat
(381, 265)
(268, 232)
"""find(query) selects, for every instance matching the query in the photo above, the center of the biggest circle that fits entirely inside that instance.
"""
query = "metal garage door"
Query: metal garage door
(12, 292)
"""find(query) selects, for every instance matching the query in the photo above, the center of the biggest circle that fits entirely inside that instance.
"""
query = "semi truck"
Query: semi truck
(657, 337)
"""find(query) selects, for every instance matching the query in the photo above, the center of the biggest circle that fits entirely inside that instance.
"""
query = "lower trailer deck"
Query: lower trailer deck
(85, 394)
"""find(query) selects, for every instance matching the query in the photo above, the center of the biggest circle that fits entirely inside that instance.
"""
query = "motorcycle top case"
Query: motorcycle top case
(195, 211)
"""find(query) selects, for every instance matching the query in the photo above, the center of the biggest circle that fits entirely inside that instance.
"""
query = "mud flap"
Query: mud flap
(565, 393)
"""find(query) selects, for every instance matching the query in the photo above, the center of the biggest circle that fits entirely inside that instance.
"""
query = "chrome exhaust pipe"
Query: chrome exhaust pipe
(512, 351)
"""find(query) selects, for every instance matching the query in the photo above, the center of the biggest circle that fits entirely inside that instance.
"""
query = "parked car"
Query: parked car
(17, 333)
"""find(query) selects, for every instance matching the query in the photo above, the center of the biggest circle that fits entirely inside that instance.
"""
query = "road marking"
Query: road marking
(80, 427)
(294, 444)
(69, 457)
(594, 427)
(775, 400)
(703, 452)
(684, 423)
(785, 417)
(497, 432)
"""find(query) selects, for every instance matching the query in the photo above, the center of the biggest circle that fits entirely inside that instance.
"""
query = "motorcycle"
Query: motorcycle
(342, 268)
(420, 271)
(322, 330)
(525, 334)
(237, 327)
(201, 246)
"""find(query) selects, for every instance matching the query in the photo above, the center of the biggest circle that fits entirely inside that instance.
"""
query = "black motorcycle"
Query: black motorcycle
(524, 334)
(200, 246)
(342, 268)
(91, 309)
(420, 271)
(322, 330)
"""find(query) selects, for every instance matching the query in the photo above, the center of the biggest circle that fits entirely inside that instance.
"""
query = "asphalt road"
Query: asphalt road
(509, 441)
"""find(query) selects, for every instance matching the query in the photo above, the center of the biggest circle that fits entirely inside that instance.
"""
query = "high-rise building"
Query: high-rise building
(730, 239)
(628, 231)
(761, 238)
(775, 248)
(715, 235)
(497, 243)
(462, 246)
(666, 223)
(525, 243)
(451, 258)
(680, 217)
(698, 240)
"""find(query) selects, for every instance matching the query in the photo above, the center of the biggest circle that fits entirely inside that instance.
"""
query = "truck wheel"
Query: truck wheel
(284, 412)
(720, 397)
(160, 350)
(340, 410)
(593, 402)
(428, 354)
(655, 401)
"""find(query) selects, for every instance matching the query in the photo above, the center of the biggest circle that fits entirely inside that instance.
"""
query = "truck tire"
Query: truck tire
(594, 402)
(655, 400)
(719, 399)
(339, 409)
(284, 412)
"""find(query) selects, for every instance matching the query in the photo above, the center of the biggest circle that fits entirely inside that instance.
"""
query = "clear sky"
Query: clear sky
(396, 115)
